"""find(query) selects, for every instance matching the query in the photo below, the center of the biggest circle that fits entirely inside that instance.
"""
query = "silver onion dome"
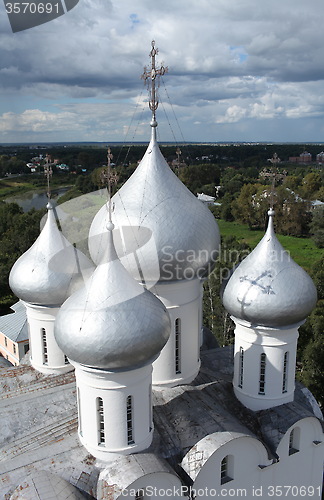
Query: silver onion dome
(51, 269)
(268, 288)
(167, 234)
(113, 322)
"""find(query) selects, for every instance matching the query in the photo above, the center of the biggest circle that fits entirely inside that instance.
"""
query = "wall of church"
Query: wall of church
(46, 356)
(264, 384)
(115, 410)
(183, 302)
(241, 467)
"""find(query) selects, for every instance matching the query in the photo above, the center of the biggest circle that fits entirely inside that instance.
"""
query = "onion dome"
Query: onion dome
(268, 288)
(51, 269)
(113, 322)
(167, 233)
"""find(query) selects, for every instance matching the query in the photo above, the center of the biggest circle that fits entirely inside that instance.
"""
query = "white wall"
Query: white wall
(39, 317)
(182, 300)
(114, 388)
(289, 476)
(274, 343)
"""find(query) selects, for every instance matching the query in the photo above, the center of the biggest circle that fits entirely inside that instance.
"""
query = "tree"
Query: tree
(317, 227)
(215, 316)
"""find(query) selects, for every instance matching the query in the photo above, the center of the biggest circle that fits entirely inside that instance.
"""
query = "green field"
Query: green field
(302, 250)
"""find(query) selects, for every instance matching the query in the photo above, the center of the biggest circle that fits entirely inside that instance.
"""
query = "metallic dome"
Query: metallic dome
(167, 234)
(51, 269)
(268, 288)
(112, 322)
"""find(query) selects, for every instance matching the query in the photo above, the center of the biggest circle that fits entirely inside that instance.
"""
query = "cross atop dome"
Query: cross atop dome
(109, 178)
(151, 76)
(48, 172)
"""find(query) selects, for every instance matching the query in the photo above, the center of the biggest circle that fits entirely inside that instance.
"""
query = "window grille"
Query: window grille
(129, 420)
(262, 373)
(44, 341)
(285, 373)
(241, 365)
(101, 421)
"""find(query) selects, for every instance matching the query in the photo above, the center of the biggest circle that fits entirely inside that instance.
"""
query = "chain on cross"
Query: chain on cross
(48, 172)
(151, 77)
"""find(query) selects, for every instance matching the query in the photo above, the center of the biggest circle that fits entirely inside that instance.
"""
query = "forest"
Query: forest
(243, 181)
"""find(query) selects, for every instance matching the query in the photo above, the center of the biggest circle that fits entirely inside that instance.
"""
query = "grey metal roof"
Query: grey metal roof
(38, 417)
(14, 325)
(184, 415)
(167, 233)
(42, 485)
(112, 322)
(51, 269)
(268, 288)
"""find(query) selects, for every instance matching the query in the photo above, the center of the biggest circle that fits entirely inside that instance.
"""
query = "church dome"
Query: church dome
(167, 233)
(112, 322)
(51, 269)
(268, 288)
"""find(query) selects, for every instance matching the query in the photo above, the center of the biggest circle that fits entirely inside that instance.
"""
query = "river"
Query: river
(30, 200)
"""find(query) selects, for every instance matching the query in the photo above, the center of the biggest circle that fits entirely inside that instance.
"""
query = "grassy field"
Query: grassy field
(302, 250)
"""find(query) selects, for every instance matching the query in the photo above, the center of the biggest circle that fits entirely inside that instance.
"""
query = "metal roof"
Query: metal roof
(14, 325)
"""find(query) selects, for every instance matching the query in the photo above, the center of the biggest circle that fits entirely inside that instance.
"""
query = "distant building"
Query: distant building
(304, 157)
(205, 198)
(320, 157)
(14, 343)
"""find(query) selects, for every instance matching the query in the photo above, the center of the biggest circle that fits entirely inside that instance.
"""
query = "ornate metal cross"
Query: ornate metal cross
(151, 76)
(48, 172)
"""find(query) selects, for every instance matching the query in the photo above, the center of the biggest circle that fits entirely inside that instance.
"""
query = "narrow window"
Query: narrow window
(14, 348)
(241, 364)
(6, 342)
(177, 330)
(262, 373)
(101, 421)
(139, 495)
(294, 439)
(44, 340)
(225, 469)
(66, 361)
(285, 373)
(79, 412)
(150, 409)
(26, 348)
(129, 420)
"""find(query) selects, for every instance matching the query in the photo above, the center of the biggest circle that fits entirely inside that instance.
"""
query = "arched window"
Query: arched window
(177, 333)
(285, 372)
(241, 366)
(129, 420)
(294, 441)
(100, 421)
(226, 469)
(263, 360)
(44, 342)
(66, 361)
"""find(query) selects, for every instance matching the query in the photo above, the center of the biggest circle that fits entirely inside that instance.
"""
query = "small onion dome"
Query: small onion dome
(268, 288)
(113, 322)
(172, 234)
(51, 269)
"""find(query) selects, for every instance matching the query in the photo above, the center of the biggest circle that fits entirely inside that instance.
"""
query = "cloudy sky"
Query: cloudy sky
(239, 70)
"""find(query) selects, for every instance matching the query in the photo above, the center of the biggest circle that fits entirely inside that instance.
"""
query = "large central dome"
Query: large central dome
(167, 234)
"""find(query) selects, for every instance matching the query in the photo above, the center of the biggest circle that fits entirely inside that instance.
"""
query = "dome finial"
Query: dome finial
(48, 174)
(150, 76)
